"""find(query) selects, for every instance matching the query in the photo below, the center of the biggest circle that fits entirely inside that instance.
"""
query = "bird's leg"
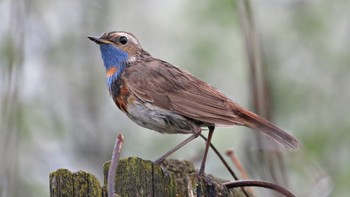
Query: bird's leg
(210, 134)
(187, 140)
(201, 170)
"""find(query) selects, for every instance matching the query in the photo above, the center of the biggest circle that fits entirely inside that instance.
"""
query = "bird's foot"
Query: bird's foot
(159, 161)
(165, 171)
(204, 178)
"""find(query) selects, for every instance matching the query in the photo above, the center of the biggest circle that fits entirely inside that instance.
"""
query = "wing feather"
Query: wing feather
(174, 89)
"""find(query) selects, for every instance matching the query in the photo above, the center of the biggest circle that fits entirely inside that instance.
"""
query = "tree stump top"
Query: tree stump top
(137, 177)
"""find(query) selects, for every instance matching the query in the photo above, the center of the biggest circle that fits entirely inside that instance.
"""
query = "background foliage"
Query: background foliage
(56, 111)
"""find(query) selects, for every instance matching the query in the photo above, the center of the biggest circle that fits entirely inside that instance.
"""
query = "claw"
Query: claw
(159, 161)
(202, 177)
(164, 170)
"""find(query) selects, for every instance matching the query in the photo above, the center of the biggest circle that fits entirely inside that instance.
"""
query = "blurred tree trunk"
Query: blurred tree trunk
(11, 104)
(270, 163)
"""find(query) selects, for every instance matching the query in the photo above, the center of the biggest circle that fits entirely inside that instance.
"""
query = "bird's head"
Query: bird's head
(117, 48)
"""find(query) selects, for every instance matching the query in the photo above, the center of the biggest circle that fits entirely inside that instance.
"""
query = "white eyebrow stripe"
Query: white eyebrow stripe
(130, 37)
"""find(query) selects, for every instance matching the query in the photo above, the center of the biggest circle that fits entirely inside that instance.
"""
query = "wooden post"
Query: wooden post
(65, 183)
(137, 177)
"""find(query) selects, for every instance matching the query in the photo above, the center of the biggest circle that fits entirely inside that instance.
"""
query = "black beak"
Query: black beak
(98, 40)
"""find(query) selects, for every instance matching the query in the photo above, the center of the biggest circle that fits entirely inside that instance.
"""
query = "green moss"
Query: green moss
(137, 177)
(65, 183)
(61, 183)
(106, 166)
(86, 184)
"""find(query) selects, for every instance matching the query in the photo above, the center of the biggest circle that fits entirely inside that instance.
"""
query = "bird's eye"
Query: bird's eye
(123, 40)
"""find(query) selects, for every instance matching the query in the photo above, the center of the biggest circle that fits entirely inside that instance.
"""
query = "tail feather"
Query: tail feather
(254, 121)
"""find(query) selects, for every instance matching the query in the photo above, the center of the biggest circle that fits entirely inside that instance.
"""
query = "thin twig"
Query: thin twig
(114, 164)
(260, 89)
(264, 184)
(237, 163)
(233, 174)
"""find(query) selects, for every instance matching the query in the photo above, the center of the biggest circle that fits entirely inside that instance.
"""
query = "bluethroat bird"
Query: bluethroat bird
(162, 97)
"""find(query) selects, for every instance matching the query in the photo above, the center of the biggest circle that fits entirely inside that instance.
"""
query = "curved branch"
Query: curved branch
(264, 184)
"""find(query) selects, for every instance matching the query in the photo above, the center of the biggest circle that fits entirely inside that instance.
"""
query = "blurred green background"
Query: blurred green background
(56, 111)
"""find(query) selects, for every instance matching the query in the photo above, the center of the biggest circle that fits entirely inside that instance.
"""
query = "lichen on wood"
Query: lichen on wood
(137, 177)
(65, 183)
(190, 184)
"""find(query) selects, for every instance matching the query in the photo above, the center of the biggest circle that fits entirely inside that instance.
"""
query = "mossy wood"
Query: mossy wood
(137, 177)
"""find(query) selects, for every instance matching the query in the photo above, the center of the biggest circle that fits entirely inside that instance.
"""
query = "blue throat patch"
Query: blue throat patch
(113, 57)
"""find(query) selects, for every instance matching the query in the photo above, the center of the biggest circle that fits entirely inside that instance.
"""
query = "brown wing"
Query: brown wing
(174, 89)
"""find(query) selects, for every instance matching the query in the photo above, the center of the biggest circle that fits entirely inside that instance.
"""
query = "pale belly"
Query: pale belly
(158, 119)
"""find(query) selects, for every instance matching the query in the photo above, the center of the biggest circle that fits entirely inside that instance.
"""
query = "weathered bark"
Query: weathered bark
(137, 177)
(65, 183)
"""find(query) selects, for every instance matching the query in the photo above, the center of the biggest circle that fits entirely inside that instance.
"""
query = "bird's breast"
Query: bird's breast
(111, 72)
(121, 94)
